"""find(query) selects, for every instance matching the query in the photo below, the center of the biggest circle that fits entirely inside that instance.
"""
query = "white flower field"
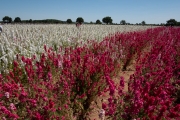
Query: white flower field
(28, 40)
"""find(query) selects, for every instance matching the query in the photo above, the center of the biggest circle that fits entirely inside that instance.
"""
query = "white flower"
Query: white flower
(7, 94)
(159, 56)
(1, 29)
(102, 114)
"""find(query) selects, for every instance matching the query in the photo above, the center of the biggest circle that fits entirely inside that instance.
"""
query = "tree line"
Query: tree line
(105, 20)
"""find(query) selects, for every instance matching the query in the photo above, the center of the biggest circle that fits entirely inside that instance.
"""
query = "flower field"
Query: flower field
(28, 40)
(55, 72)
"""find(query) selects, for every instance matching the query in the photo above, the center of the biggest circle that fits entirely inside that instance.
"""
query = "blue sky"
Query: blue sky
(133, 11)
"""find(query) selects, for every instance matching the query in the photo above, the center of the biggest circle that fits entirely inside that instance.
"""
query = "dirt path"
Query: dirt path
(126, 74)
(95, 112)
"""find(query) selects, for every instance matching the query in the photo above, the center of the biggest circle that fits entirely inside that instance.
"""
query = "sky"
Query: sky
(132, 11)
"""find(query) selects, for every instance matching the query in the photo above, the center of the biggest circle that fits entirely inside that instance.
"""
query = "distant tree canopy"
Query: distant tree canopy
(178, 23)
(143, 23)
(80, 20)
(123, 22)
(49, 21)
(7, 19)
(46, 21)
(98, 22)
(27, 21)
(69, 21)
(171, 22)
(30, 21)
(17, 20)
(107, 20)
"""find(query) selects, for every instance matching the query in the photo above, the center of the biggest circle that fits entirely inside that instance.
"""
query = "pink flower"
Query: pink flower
(1, 77)
(59, 108)
(15, 64)
(62, 118)
(66, 106)
(33, 102)
(38, 116)
(51, 104)
(50, 76)
(45, 98)
(82, 96)
(3, 118)
(104, 105)
(12, 106)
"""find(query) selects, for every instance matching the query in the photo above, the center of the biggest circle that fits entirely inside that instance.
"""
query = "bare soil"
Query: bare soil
(97, 104)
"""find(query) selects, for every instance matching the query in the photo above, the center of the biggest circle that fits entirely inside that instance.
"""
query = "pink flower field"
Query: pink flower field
(63, 85)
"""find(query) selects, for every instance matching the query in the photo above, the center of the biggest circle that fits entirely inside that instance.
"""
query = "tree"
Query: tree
(171, 22)
(98, 22)
(7, 19)
(107, 20)
(10, 20)
(143, 23)
(80, 20)
(123, 22)
(17, 19)
(69, 21)
(162, 24)
(178, 23)
(30, 20)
